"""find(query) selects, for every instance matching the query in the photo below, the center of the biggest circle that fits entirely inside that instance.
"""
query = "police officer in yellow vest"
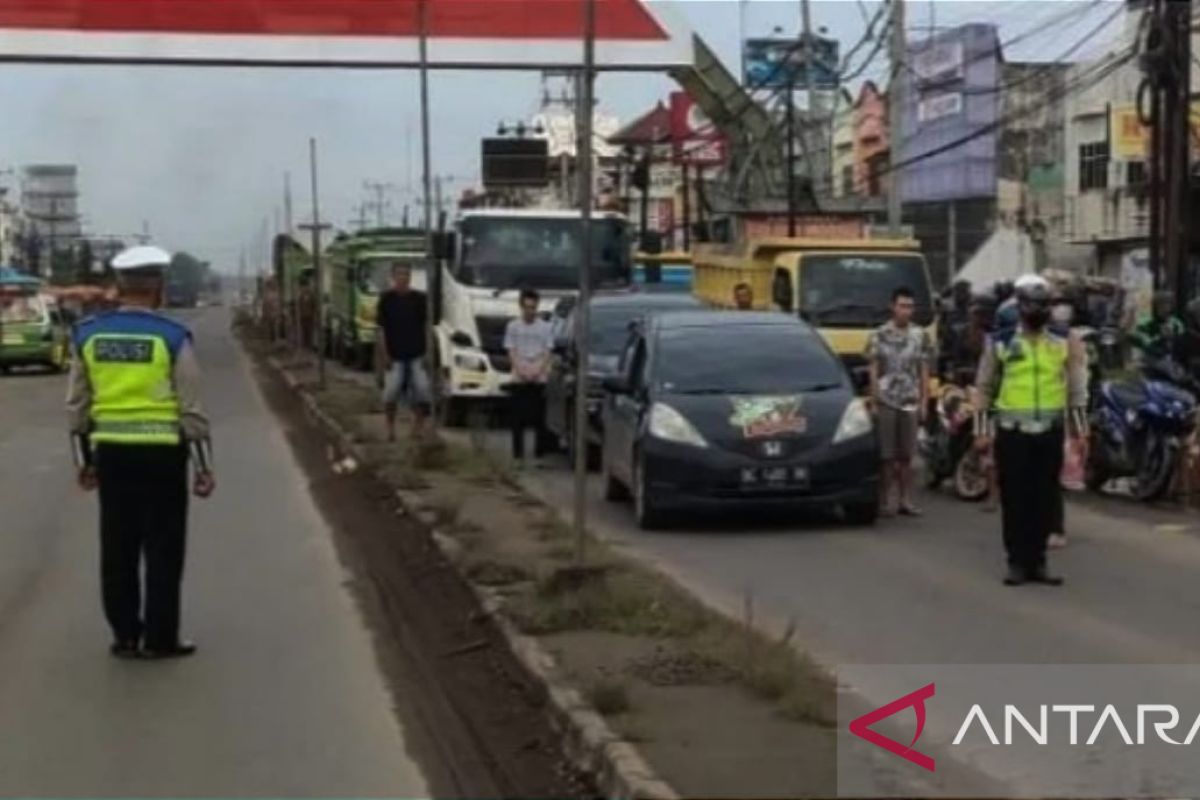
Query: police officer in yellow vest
(136, 422)
(1031, 384)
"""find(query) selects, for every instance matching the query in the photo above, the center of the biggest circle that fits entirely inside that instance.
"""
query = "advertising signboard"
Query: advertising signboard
(779, 63)
(695, 140)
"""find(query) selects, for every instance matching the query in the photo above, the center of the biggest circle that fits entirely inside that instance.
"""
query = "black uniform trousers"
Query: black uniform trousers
(528, 410)
(143, 515)
(1028, 467)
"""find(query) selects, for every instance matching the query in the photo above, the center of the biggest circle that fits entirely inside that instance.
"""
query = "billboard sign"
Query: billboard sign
(939, 105)
(513, 163)
(940, 61)
(694, 138)
(1131, 139)
(779, 63)
(533, 34)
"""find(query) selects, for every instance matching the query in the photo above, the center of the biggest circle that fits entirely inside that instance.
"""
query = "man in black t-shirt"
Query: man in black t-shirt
(402, 317)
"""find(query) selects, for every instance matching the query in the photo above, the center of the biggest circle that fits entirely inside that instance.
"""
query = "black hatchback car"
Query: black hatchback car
(610, 318)
(722, 407)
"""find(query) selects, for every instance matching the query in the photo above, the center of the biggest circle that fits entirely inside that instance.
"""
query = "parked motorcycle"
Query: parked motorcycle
(947, 446)
(1139, 429)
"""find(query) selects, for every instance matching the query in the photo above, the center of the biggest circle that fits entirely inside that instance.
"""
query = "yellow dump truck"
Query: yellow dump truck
(842, 286)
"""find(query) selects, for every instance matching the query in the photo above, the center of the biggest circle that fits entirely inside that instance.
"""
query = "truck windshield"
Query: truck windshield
(540, 253)
(17, 309)
(855, 289)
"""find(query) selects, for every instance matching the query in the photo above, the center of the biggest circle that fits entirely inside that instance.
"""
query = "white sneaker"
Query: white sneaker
(1057, 541)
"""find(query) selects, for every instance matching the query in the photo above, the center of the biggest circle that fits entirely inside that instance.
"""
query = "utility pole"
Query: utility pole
(951, 239)
(582, 316)
(287, 203)
(379, 189)
(896, 117)
(437, 192)
(316, 226)
(791, 152)
(812, 146)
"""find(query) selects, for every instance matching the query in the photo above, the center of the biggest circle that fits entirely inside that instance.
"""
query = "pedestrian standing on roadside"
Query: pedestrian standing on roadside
(529, 340)
(136, 421)
(401, 317)
(1034, 381)
(900, 355)
(743, 297)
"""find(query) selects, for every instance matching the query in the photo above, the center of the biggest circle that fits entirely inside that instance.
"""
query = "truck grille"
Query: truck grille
(491, 340)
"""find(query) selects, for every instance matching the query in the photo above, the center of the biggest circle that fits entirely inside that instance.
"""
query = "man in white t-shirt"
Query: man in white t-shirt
(529, 340)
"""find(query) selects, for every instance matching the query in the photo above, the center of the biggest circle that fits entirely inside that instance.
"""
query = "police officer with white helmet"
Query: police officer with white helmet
(136, 423)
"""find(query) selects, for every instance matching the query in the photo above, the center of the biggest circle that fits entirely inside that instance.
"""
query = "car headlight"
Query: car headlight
(669, 425)
(470, 361)
(856, 421)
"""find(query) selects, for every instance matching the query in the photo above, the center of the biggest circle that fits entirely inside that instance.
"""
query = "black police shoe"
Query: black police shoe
(1016, 576)
(125, 649)
(1040, 575)
(181, 649)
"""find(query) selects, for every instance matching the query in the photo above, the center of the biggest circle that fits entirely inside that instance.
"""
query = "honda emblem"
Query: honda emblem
(772, 449)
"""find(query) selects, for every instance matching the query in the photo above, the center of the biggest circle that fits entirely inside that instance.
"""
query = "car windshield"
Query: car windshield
(745, 359)
(855, 290)
(541, 253)
(375, 274)
(16, 309)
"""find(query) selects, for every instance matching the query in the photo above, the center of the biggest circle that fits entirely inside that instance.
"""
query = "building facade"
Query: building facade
(49, 204)
(1107, 206)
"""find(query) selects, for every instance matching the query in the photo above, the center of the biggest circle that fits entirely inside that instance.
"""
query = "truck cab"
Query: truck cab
(359, 270)
(841, 287)
(484, 263)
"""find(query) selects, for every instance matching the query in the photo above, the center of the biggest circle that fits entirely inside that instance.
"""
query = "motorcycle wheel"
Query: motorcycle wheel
(970, 477)
(1155, 468)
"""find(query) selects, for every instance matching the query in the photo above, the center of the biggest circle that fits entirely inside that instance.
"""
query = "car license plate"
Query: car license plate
(774, 476)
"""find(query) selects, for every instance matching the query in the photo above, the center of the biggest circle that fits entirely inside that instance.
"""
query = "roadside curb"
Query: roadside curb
(619, 769)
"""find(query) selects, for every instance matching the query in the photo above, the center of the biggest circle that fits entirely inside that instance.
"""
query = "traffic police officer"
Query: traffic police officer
(1034, 382)
(136, 421)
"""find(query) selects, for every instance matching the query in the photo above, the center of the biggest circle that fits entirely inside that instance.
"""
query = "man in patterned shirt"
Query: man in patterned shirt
(899, 354)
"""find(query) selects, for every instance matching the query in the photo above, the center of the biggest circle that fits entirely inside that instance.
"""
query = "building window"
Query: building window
(1093, 166)
(847, 180)
(1135, 173)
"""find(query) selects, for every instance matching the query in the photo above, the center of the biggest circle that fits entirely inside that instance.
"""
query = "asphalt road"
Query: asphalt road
(928, 590)
(284, 699)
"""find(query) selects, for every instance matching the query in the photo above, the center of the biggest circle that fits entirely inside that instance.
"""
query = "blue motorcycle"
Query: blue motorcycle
(1139, 427)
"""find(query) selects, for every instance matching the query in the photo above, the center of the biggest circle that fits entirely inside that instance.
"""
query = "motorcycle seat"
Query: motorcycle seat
(1128, 393)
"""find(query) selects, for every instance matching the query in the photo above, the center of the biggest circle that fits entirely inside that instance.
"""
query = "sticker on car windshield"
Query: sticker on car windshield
(759, 417)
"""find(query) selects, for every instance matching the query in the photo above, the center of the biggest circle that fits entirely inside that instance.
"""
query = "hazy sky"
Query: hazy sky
(200, 153)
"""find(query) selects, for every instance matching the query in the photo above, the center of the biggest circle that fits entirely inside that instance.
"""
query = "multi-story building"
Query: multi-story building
(1107, 205)
(49, 203)
(841, 177)
(982, 150)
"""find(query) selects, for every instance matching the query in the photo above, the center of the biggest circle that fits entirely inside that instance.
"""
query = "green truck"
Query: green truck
(358, 268)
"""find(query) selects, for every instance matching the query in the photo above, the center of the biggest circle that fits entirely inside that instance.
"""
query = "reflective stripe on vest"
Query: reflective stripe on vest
(1033, 378)
(133, 395)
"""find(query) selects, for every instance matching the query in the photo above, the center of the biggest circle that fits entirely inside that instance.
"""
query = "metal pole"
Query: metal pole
(287, 203)
(951, 239)
(896, 116)
(318, 267)
(583, 326)
(433, 265)
(791, 152)
(812, 148)
(687, 209)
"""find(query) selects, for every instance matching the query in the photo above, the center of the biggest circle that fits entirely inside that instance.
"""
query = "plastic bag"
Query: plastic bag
(1071, 476)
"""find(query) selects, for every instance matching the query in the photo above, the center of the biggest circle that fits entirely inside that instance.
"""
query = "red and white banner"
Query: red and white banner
(694, 138)
(631, 34)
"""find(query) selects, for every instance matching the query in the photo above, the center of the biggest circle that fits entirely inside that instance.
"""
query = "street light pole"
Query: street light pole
(433, 265)
(582, 314)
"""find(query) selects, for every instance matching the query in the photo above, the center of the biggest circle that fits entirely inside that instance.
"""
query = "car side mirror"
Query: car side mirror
(615, 384)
